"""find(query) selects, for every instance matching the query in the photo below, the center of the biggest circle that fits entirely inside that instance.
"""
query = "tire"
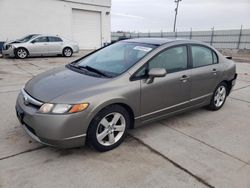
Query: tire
(104, 135)
(219, 97)
(67, 52)
(21, 53)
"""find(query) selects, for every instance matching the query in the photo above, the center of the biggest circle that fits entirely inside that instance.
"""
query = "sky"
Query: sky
(157, 15)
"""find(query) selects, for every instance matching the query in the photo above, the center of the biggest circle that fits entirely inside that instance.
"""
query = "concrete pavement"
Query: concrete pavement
(196, 149)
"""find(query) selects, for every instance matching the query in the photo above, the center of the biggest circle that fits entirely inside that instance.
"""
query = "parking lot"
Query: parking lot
(196, 149)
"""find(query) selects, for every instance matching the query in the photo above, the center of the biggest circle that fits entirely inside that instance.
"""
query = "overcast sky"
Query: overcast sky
(154, 15)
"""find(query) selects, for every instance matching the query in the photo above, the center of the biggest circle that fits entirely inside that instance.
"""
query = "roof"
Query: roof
(154, 41)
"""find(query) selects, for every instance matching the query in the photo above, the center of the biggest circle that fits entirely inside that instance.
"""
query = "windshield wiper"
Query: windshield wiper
(88, 68)
(95, 71)
(74, 65)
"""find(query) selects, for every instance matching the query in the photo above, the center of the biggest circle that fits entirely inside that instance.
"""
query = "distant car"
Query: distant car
(124, 85)
(40, 45)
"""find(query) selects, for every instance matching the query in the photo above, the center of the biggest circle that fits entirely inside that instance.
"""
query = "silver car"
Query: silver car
(40, 45)
(122, 86)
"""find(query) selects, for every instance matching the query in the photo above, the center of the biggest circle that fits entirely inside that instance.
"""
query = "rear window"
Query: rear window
(203, 56)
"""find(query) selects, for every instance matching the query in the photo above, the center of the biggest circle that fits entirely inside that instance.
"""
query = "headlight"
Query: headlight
(62, 108)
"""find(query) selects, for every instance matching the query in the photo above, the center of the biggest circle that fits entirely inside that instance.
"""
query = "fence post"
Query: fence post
(161, 34)
(238, 46)
(138, 34)
(149, 34)
(190, 33)
(176, 34)
(212, 36)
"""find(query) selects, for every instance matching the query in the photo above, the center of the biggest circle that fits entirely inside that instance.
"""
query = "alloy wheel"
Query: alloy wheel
(110, 129)
(21, 53)
(67, 52)
(220, 96)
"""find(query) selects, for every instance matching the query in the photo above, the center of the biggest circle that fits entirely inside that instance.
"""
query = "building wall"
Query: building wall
(22, 17)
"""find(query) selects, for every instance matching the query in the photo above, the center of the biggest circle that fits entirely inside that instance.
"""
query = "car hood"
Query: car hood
(12, 42)
(61, 82)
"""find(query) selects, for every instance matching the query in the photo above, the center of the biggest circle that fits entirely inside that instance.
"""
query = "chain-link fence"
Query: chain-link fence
(221, 39)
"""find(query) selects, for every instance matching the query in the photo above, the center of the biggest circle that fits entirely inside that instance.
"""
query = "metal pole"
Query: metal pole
(238, 46)
(191, 33)
(176, 12)
(212, 36)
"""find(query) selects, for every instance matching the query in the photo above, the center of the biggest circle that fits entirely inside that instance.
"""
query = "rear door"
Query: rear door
(55, 45)
(169, 93)
(39, 46)
(206, 72)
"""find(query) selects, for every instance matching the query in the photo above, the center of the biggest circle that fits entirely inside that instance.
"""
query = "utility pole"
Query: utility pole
(176, 12)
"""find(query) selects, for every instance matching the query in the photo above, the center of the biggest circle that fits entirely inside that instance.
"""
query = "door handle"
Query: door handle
(184, 78)
(214, 71)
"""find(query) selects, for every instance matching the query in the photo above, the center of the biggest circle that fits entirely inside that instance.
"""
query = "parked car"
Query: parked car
(122, 86)
(40, 45)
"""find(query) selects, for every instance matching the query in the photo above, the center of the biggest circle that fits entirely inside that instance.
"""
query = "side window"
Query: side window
(142, 72)
(215, 58)
(173, 59)
(202, 56)
(55, 39)
(40, 39)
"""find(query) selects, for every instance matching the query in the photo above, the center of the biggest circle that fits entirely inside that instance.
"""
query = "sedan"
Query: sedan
(97, 98)
(40, 45)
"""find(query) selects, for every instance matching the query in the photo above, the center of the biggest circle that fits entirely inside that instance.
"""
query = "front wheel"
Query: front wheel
(219, 97)
(67, 52)
(108, 129)
(21, 53)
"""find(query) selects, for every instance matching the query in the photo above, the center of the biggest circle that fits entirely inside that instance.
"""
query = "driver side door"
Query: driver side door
(39, 46)
(170, 93)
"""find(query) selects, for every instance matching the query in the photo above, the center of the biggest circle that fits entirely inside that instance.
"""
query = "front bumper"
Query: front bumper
(8, 53)
(64, 131)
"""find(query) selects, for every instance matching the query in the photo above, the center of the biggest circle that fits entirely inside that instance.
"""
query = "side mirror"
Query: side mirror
(156, 72)
(33, 42)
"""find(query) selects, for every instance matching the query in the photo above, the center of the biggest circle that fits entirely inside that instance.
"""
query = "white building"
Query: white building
(85, 21)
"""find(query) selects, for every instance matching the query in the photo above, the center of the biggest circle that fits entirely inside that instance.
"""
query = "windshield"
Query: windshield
(26, 38)
(117, 58)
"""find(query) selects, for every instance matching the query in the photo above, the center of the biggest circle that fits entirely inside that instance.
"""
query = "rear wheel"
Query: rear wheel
(21, 53)
(219, 97)
(67, 52)
(108, 129)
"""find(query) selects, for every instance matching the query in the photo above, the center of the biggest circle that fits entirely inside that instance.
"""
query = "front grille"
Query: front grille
(30, 101)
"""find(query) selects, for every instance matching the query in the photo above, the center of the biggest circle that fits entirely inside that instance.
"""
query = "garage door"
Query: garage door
(86, 28)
